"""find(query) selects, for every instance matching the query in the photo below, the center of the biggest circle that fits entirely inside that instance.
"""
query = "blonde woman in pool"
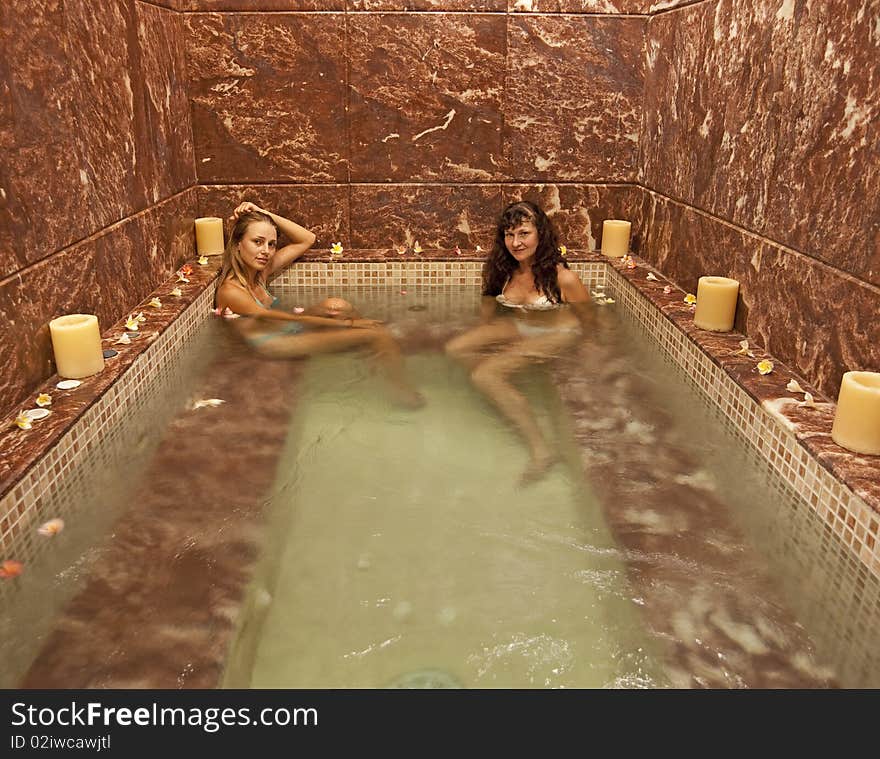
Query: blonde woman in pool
(527, 287)
(333, 325)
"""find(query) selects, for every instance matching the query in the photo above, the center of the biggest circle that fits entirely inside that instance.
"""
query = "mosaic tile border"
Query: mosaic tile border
(848, 516)
(96, 441)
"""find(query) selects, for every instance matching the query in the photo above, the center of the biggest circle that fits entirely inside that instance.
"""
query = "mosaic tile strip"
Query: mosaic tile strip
(848, 516)
(99, 443)
(328, 275)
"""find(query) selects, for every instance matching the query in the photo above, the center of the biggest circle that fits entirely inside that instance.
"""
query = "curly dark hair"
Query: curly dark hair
(500, 265)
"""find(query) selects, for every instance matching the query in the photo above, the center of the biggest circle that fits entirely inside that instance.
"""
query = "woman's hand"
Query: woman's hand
(245, 207)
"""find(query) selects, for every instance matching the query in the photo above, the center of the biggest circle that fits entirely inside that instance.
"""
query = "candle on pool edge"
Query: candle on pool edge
(209, 236)
(716, 303)
(857, 419)
(76, 342)
(615, 237)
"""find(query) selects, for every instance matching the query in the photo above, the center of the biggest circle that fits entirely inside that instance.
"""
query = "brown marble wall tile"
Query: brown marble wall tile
(578, 210)
(573, 98)
(262, 5)
(426, 97)
(268, 96)
(766, 114)
(427, 5)
(819, 321)
(104, 275)
(115, 156)
(90, 104)
(163, 69)
(436, 216)
(324, 209)
(44, 207)
(609, 7)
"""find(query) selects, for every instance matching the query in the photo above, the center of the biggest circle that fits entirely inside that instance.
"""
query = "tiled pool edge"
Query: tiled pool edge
(772, 434)
(850, 516)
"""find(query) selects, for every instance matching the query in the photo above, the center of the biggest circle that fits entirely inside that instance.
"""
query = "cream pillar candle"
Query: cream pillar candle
(209, 236)
(857, 420)
(716, 303)
(76, 341)
(615, 237)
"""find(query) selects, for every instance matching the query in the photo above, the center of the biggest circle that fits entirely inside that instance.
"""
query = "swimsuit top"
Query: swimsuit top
(260, 303)
(541, 303)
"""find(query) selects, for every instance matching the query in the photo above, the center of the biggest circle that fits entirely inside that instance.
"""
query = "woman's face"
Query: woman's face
(258, 245)
(521, 241)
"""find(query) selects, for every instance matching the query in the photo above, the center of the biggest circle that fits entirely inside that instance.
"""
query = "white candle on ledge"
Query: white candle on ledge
(76, 342)
(857, 419)
(615, 237)
(716, 303)
(209, 236)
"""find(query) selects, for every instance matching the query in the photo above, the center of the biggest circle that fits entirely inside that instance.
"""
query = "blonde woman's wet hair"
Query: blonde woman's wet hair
(233, 266)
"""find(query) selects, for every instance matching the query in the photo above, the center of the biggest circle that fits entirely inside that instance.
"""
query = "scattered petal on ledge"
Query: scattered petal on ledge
(123, 338)
(207, 403)
(185, 270)
(336, 249)
(140, 317)
(744, 349)
(765, 366)
(794, 387)
(203, 260)
(132, 324)
(68, 384)
(23, 421)
(176, 292)
(808, 401)
(416, 247)
(690, 299)
(10, 568)
(44, 399)
(401, 251)
(458, 250)
(181, 277)
(651, 277)
(155, 303)
(478, 249)
(667, 289)
(50, 528)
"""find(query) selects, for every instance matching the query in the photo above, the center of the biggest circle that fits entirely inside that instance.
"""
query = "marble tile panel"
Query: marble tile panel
(268, 96)
(436, 216)
(321, 208)
(42, 209)
(819, 321)
(426, 97)
(109, 118)
(174, 5)
(428, 5)
(163, 70)
(573, 98)
(766, 114)
(610, 7)
(250, 6)
(578, 210)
